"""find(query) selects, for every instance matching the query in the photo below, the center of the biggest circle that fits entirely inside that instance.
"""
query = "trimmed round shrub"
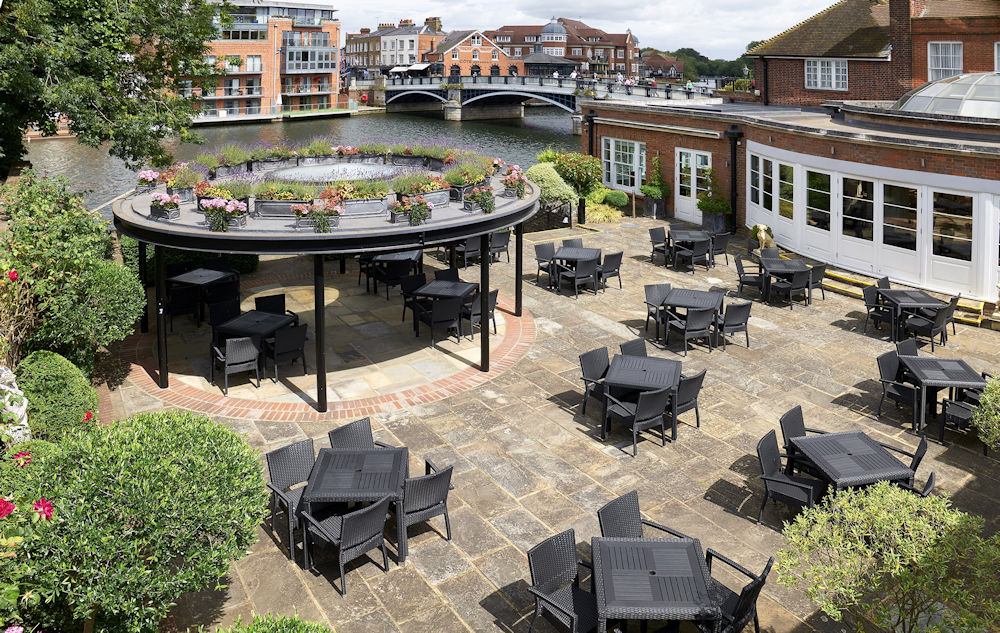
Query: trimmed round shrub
(273, 624)
(617, 199)
(59, 395)
(597, 194)
(146, 509)
(552, 188)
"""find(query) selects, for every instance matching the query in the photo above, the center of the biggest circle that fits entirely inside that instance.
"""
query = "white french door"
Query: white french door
(691, 178)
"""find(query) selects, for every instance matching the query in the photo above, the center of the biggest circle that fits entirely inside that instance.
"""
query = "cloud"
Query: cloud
(716, 28)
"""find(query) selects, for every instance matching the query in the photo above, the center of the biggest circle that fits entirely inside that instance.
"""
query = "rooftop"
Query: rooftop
(849, 28)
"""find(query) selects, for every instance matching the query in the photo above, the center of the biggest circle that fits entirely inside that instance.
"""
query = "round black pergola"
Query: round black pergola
(276, 236)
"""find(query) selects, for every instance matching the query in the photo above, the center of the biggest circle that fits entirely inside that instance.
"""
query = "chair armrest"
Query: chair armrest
(278, 493)
(964, 405)
(787, 481)
(591, 380)
(218, 353)
(664, 528)
(711, 553)
(383, 444)
(549, 603)
(894, 382)
(896, 449)
(614, 399)
(817, 431)
(987, 375)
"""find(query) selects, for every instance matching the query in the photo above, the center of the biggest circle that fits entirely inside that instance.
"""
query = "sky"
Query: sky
(716, 28)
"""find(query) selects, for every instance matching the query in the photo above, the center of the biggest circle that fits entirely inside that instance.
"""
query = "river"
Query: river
(100, 177)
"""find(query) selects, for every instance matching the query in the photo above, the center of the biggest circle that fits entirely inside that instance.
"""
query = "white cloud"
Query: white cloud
(716, 28)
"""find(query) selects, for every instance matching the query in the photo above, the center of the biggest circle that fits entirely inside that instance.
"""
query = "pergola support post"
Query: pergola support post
(343, 264)
(144, 282)
(319, 312)
(518, 266)
(161, 316)
(484, 302)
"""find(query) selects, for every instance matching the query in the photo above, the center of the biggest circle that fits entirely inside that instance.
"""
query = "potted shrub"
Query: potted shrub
(181, 179)
(234, 159)
(434, 188)
(416, 210)
(713, 206)
(223, 215)
(275, 199)
(363, 197)
(164, 206)
(318, 151)
(655, 192)
(320, 217)
(203, 191)
(480, 198)
(267, 157)
(146, 181)
(514, 183)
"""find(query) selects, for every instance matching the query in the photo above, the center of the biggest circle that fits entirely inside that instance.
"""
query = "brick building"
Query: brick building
(390, 45)
(465, 53)
(590, 49)
(661, 65)
(877, 49)
(276, 56)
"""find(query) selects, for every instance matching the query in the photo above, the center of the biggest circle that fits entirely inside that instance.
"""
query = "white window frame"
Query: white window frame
(254, 64)
(495, 55)
(617, 173)
(476, 40)
(996, 56)
(578, 51)
(475, 54)
(934, 73)
(454, 53)
(826, 74)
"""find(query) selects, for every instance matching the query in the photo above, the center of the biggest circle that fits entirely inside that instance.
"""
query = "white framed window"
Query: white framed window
(818, 192)
(635, 68)
(254, 64)
(944, 59)
(621, 54)
(506, 50)
(578, 51)
(826, 74)
(551, 50)
(475, 54)
(476, 40)
(454, 54)
(517, 52)
(762, 182)
(692, 172)
(786, 191)
(623, 162)
(530, 38)
(495, 55)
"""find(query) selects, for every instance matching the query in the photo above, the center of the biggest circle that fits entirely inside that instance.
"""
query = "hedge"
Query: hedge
(616, 199)
(59, 395)
(552, 188)
(15, 474)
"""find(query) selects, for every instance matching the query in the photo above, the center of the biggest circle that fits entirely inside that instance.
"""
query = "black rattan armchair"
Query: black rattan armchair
(289, 345)
(473, 312)
(695, 324)
(794, 425)
(353, 535)
(696, 252)
(738, 610)
(391, 273)
(555, 584)
(635, 347)
(219, 313)
(645, 413)
(655, 294)
(916, 456)
(366, 267)
(574, 242)
(545, 259)
(584, 273)
(222, 291)
(621, 519)
(686, 399)
(797, 285)
(937, 326)
(958, 417)
(356, 435)
(778, 485)
(876, 311)
(754, 278)
(929, 313)
(274, 304)
(816, 276)
(427, 497)
(446, 274)
(720, 246)
(594, 366)
(892, 388)
(883, 283)
(443, 313)
(286, 467)
(468, 249)
(736, 319)
(923, 492)
(410, 285)
(241, 355)
(500, 243)
(610, 268)
(658, 239)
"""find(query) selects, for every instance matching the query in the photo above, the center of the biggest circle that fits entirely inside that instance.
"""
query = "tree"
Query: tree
(889, 560)
(115, 69)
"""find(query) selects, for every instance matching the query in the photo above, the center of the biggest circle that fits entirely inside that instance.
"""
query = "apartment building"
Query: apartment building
(276, 56)
(589, 49)
(392, 46)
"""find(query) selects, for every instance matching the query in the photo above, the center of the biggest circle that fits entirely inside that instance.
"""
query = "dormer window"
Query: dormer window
(476, 40)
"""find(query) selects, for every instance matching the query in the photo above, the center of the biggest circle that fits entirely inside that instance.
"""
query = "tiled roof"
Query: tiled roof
(849, 28)
(450, 40)
(961, 9)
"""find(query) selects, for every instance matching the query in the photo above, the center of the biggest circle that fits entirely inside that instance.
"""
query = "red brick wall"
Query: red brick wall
(978, 36)
(786, 82)
(663, 144)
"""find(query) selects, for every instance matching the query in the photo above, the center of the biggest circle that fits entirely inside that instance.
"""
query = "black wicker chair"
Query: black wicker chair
(353, 535)
(610, 268)
(794, 425)
(898, 392)
(797, 285)
(427, 497)
(883, 283)
(183, 300)
(594, 366)
(916, 456)
(241, 355)
(720, 246)
(289, 345)
(686, 397)
(875, 309)
(500, 243)
(355, 435)
(584, 273)
(274, 304)
(735, 320)
(446, 274)
(658, 238)
(695, 324)
(780, 486)
(443, 313)
(938, 326)
(391, 273)
(286, 467)
(923, 492)
(219, 313)
(635, 347)
(621, 519)
(696, 252)
(222, 291)
(754, 278)
(473, 312)
(545, 259)
(366, 267)
(770, 253)
(655, 294)
(645, 413)
(555, 584)
(410, 285)
(738, 610)
(957, 417)
(468, 249)
(929, 313)
(574, 242)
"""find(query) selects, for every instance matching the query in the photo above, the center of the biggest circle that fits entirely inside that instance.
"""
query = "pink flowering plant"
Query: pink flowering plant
(164, 202)
(320, 214)
(219, 211)
(346, 150)
(148, 177)
(515, 180)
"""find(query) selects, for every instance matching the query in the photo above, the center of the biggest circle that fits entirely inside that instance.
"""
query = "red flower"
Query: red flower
(13, 276)
(22, 459)
(6, 507)
(43, 508)
(88, 417)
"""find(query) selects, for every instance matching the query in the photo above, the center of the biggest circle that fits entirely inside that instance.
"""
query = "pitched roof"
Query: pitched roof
(451, 40)
(849, 28)
(545, 58)
(961, 9)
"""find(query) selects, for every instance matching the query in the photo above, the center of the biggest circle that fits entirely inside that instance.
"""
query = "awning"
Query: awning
(420, 66)
(399, 69)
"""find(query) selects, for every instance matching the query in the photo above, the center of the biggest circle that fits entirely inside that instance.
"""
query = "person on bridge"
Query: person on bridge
(555, 74)
(620, 78)
(573, 74)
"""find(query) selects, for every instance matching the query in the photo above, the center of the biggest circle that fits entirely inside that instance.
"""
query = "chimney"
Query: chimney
(434, 23)
(403, 23)
(901, 40)
(366, 31)
(386, 25)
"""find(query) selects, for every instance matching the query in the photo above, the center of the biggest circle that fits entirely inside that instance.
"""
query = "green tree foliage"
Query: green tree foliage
(61, 251)
(553, 190)
(146, 509)
(273, 624)
(60, 397)
(886, 559)
(986, 417)
(581, 171)
(697, 65)
(113, 68)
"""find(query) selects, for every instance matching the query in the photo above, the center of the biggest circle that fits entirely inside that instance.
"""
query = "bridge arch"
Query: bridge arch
(417, 92)
(516, 93)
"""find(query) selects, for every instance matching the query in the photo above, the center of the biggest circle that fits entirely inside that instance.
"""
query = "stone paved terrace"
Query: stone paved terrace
(528, 464)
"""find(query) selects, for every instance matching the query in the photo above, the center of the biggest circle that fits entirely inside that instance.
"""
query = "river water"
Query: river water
(99, 177)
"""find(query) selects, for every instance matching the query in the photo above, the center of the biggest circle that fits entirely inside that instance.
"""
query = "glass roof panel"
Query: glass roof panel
(973, 94)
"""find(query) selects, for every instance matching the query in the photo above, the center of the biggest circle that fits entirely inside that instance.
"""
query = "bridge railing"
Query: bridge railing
(586, 87)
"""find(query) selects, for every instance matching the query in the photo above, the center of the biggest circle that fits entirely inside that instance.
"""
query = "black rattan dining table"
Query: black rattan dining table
(939, 373)
(652, 579)
(851, 458)
(642, 373)
(200, 277)
(688, 299)
(901, 299)
(577, 254)
(255, 324)
(360, 475)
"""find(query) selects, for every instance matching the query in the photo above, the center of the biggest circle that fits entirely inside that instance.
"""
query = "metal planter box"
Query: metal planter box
(273, 163)
(186, 195)
(163, 214)
(276, 208)
(223, 171)
(309, 223)
(713, 223)
(437, 164)
(406, 160)
(238, 221)
(366, 207)
(368, 159)
(404, 218)
(331, 159)
(459, 192)
(439, 198)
